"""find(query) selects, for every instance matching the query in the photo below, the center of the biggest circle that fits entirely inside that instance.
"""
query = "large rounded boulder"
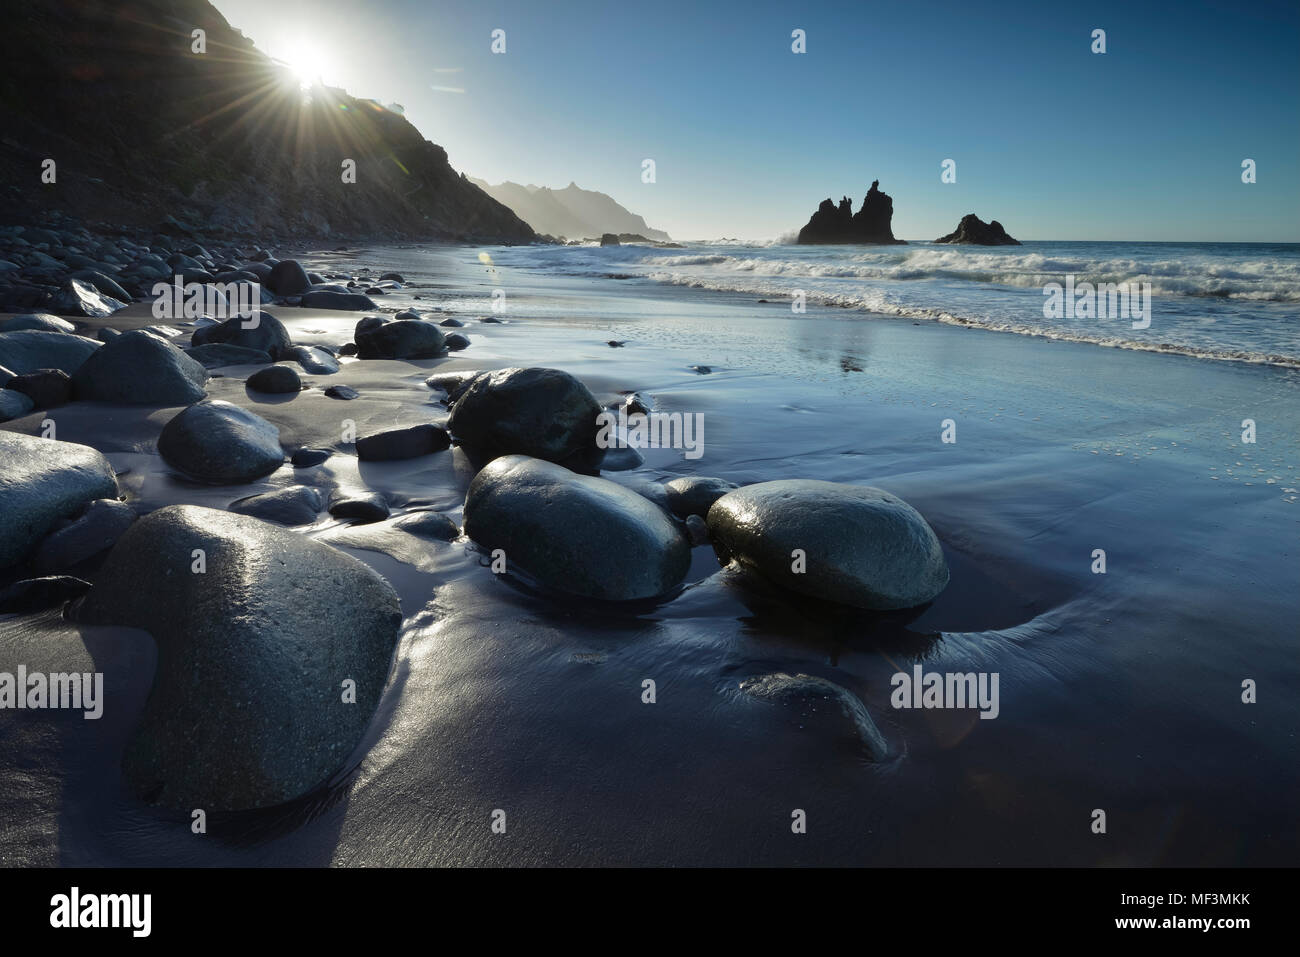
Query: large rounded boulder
(575, 534)
(260, 331)
(402, 339)
(543, 413)
(271, 659)
(860, 546)
(221, 443)
(42, 483)
(26, 351)
(140, 368)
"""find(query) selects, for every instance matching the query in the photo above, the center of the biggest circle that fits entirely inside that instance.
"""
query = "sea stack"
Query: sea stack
(869, 225)
(975, 232)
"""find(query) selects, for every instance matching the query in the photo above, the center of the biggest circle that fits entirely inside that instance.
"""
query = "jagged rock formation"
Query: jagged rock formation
(142, 129)
(870, 224)
(572, 212)
(974, 231)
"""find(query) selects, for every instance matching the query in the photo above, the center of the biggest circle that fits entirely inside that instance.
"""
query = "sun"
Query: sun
(304, 60)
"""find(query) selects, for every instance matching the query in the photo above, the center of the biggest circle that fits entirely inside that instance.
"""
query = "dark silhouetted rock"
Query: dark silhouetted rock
(247, 708)
(38, 321)
(13, 404)
(872, 224)
(974, 231)
(307, 458)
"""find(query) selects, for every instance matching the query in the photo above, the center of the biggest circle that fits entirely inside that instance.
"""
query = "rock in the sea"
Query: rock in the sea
(260, 331)
(295, 505)
(313, 359)
(31, 350)
(325, 299)
(221, 443)
(862, 546)
(402, 339)
(140, 368)
(574, 533)
(94, 531)
(39, 321)
(14, 404)
(270, 663)
(974, 231)
(307, 458)
(47, 388)
(429, 524)
(43, 482)
(695, 494)
(872, 224)
(213, 355)
(609, 239)
(543, 413)
(456, 342)
(451, 323)
(361, 507)
(402, 443)
(344, 392)
(275, 379)
(802, 690)
(287, 278)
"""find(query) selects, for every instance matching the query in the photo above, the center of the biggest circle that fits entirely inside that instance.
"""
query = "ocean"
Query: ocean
(1236, 301)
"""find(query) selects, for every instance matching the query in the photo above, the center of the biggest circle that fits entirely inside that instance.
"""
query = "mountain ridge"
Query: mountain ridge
(571, 212)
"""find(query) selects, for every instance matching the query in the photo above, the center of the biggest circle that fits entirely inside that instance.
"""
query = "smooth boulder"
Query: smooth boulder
(401, 339)
(262, 331)
(575, 534)
(543, 413)
(30, 350)
(92, 532)
(220, 443)
(140, 368)
(862, 546)
(257, 656)
(275, 380)
(43, 482)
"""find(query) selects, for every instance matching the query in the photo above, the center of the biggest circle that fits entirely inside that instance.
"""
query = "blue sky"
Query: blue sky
(1144, 142)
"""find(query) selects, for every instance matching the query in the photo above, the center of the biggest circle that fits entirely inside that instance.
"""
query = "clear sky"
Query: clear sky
(1144, 142)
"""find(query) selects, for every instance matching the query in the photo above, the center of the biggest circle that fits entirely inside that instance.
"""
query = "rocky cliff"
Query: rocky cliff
(144, 130)
(871, 224)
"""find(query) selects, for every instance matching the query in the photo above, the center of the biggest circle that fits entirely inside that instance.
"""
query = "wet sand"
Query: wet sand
(1119, 691)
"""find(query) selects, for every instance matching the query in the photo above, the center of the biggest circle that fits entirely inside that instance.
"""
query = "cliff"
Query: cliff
(142, 129)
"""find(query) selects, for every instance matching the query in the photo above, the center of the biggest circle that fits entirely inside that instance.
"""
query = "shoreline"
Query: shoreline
(501, 696)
